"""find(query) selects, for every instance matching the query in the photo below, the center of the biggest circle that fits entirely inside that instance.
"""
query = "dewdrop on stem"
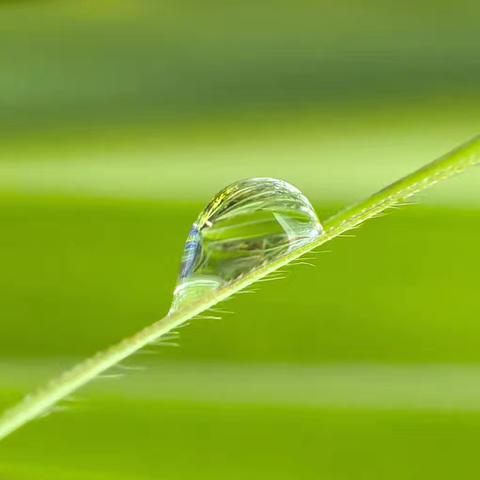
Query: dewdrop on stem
(249, 223)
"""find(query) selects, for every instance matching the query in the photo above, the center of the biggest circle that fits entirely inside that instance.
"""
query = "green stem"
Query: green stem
(45, 398)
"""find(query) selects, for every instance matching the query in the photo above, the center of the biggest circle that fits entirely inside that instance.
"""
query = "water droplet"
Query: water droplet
(247, 224)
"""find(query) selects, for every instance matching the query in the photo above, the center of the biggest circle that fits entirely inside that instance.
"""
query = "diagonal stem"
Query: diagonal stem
(59, 388)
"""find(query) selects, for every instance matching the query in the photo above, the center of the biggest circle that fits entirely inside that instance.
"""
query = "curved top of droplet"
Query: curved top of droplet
(246, 225)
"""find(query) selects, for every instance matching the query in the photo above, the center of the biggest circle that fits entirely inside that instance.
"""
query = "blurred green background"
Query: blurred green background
(119, 119)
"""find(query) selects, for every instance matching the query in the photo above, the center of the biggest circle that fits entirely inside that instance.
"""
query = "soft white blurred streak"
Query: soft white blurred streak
(327, 171)
(437, 387)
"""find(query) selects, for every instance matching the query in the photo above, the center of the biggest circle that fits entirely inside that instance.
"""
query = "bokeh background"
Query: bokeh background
(118, 121)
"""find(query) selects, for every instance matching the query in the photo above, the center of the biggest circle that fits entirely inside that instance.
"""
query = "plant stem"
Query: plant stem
(61, 387)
